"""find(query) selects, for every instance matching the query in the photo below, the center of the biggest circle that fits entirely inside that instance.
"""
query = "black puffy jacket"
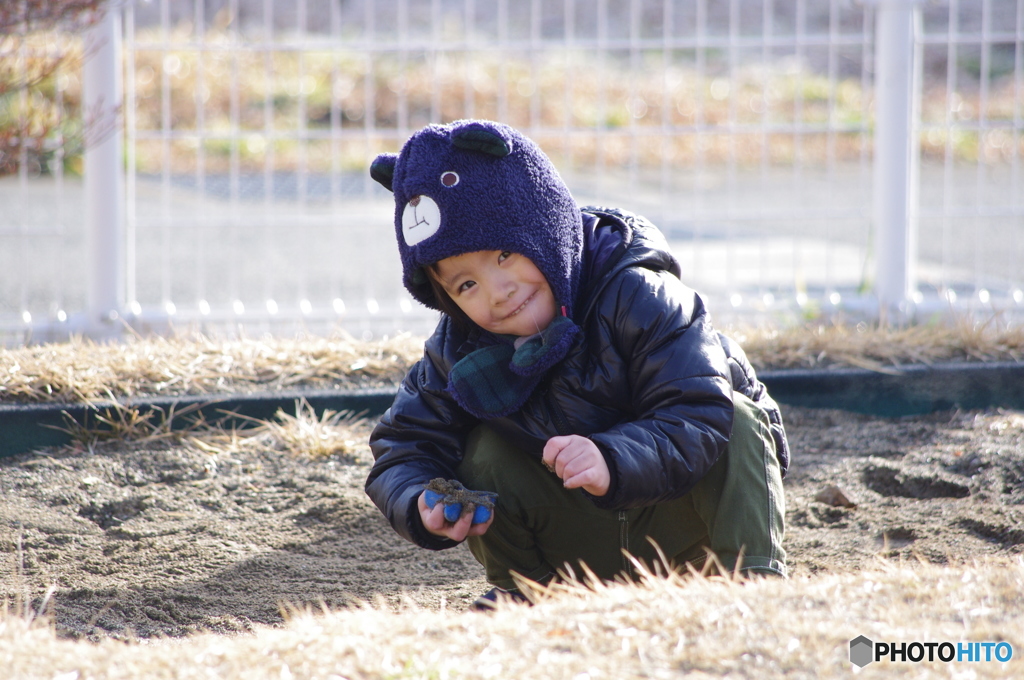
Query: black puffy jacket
(650, 382)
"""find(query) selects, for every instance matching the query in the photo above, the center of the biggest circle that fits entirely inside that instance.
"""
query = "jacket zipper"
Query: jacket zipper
(561, 422)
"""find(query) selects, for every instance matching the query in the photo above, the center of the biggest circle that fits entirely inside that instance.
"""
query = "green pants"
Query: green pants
(541, 528)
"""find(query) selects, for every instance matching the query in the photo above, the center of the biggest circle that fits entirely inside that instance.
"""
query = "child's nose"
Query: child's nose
(503, 291)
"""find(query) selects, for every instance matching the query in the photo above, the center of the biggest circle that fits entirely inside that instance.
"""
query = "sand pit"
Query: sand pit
(142, 541)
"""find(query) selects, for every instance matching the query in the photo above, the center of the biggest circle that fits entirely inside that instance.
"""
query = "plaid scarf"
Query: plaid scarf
(495, 381)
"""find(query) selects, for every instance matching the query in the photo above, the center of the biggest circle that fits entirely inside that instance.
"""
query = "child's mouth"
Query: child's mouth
(521, 307)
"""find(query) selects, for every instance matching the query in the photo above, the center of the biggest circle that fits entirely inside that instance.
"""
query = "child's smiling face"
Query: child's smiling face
(499, 291)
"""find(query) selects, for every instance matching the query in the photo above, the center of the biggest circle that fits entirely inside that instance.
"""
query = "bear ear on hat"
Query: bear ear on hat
(382, 169)
(483, 138)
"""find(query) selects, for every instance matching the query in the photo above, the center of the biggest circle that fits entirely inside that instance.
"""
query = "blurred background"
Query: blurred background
(202, 164)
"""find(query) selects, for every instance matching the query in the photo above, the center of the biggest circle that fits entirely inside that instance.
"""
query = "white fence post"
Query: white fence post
(895, 159)
(104, 176)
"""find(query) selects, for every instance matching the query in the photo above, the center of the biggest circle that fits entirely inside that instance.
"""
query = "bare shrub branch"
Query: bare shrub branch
(40, 118)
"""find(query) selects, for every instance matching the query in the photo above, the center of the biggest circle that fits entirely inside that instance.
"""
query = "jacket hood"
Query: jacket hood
(614, 240)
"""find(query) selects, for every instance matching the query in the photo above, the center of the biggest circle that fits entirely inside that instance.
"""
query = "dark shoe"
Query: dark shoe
(489, 600)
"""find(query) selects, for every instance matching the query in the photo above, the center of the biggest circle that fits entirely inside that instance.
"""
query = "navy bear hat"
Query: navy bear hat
(477, 185)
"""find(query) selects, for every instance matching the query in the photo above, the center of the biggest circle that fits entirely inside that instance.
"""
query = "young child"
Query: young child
(572, 373)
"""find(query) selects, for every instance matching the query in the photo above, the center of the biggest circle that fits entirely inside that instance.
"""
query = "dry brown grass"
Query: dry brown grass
(881, 348)
(329, 434)
(181, 79)
(305, 433)
(659, 628)
(84, 371)
(564, 89)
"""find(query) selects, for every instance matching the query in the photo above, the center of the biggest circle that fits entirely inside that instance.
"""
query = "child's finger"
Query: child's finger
(573, 457)
(433, 519)
(590, 481)
(558, 452)
(586, 469)
(572, 465)
(460, 529)
(574, 461)
(580, 479)
(481, 528)
(552, 448)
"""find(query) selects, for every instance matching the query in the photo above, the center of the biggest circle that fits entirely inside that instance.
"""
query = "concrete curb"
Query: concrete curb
(26, 427)
(909, 390)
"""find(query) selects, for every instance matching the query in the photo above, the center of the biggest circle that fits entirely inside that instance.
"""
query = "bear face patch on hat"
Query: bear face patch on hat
(420, 220)
(477, 185)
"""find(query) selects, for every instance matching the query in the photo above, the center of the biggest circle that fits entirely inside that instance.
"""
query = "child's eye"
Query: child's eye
(505, 254)
(464, 286)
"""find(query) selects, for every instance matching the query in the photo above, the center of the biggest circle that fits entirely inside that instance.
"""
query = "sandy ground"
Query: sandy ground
(146, 541)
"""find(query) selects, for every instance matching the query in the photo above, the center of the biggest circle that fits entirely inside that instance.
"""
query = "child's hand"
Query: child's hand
(579, 463)
(435, 523)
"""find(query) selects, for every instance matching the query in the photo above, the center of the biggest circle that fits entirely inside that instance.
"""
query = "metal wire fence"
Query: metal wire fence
(745, 129)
